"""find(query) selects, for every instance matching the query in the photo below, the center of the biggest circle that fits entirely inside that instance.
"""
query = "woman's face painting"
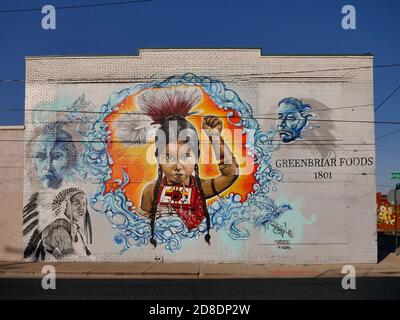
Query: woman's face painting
(177, 162)
(78, 206)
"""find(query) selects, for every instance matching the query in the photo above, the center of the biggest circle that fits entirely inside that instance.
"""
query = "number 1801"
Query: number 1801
(320, 175)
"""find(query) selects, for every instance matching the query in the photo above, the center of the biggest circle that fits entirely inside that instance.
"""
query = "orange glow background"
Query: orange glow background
(132, 159)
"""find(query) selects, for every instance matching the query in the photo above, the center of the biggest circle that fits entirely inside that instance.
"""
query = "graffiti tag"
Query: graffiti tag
(279, 229)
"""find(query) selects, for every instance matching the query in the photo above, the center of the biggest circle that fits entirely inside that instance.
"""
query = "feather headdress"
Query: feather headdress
(154, 107)
(60, 207)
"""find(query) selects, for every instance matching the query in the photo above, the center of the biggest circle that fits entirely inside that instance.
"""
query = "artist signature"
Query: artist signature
(281, 229)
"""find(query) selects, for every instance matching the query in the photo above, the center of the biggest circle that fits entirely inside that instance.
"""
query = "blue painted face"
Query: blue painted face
(290, 122)
(50, 161)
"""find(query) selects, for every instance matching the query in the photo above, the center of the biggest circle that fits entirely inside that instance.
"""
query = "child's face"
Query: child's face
(177, 162)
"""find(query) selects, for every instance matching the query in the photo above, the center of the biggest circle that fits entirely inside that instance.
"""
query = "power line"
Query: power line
(200, 141)
(233, 117)
(388, 134)
(290, 146)
(258, 116)
(329, 109)
(11, 80)
(226, 76)
(11, 108)
(254, 116)
(243, 117)
(319, 70)
(132, 141)
(386, 99)
(8, 108)
(19, 156)
(76, 6)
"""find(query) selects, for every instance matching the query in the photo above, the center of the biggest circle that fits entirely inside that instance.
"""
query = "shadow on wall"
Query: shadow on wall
(324, 133)
(11, 253)
(13, 250)
(386, 245)
(307, 123)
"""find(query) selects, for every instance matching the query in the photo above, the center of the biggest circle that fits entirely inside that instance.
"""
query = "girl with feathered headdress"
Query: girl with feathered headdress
(178, 189)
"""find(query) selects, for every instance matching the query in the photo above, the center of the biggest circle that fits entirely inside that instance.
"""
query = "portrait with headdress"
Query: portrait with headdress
(68, 234)
(178, 188)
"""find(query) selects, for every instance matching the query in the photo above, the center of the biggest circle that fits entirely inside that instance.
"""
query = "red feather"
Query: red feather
(161, 103)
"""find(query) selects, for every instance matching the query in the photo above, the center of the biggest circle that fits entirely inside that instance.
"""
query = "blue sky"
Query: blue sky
(278, 27)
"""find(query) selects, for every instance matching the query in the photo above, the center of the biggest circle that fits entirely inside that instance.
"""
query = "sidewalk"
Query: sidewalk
(389, 267)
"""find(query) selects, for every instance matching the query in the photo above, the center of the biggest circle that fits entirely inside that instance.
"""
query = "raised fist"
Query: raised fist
(212, 125)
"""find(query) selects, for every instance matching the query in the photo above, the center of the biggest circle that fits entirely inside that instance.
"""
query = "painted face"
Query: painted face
(50, 162)
(290, 122)
(177, 162)
(78, 206)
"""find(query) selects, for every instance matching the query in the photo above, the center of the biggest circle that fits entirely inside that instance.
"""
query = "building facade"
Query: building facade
(199, 155)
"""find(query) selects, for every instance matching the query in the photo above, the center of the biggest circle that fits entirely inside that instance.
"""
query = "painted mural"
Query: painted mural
(386, 217)
(165, 166)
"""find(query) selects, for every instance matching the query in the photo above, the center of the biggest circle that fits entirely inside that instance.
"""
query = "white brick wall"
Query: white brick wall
(338, 81)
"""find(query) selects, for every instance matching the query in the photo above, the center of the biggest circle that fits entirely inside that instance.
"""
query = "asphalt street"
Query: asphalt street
(234, 289)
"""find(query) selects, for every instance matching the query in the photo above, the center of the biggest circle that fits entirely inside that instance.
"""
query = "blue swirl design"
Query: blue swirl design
(227, 214)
